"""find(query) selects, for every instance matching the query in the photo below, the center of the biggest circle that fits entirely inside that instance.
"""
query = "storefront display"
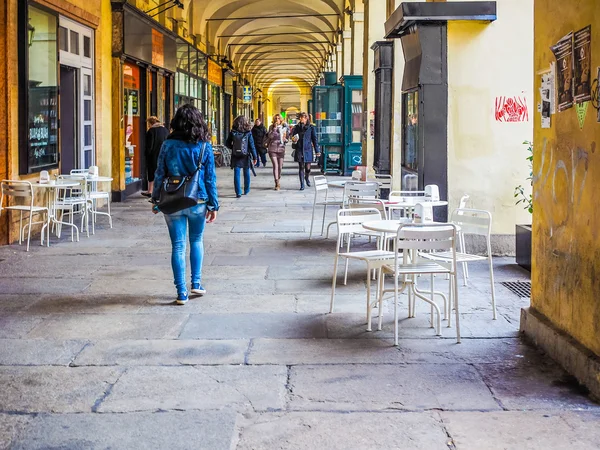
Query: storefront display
(131, 122)
(328, 122)
(190, 88)
(41, 151)
(215, 75)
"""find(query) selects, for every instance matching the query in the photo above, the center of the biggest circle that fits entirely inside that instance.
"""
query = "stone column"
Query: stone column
(375, 10)
(358, 33)
(339, 61)
(347, 52)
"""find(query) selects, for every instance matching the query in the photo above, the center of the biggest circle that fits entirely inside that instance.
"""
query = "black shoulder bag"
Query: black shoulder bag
(177, 193)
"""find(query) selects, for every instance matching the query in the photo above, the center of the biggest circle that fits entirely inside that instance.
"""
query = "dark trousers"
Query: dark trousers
(261, 157)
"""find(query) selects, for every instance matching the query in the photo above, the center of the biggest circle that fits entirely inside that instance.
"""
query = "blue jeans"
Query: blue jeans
(178, 225)
(236, 179)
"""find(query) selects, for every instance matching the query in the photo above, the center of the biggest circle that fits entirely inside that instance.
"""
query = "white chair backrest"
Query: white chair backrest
(463, 202)
(385, 181)
(431, 236)
(369, 189)
(16, 189)
(407, 196)
(320, 183)
(432, 192)
(79, 171)
(76, 191)
(473, 221)
(357, 202)
(351, 220)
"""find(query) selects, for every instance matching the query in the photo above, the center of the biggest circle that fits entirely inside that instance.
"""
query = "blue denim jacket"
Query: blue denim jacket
(180, 158)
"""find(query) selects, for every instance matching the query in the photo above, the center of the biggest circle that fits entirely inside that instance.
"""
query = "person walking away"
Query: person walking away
(155, 136)
(259, 134)
(306, 148)
(277, 137)
(186, 150)
(243, 153)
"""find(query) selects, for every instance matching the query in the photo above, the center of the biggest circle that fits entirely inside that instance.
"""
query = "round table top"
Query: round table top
(98, 179)
(412, 201)
(340, 183)
(388, 226)
(64, 184)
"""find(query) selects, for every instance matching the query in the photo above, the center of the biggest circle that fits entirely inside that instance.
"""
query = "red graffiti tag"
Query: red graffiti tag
(511, 109)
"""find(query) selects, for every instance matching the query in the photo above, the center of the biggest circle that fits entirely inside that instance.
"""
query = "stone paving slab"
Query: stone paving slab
(335, 431)
(110, 326)
(186, 388)
(11, 425)
(88, 304)
(265, 228)
(353, 326)
(534, 385)
(14, 303)
(251, 260)
(319, 286)
(319, 303)
(509, 352)
(162, 353)
(241, 326)
(37, 285)
(523, 430)
(150, 287)
(224, 303)
(38, 352)
(206, 430)
(376, 387)
(16, 326)
(54, 389)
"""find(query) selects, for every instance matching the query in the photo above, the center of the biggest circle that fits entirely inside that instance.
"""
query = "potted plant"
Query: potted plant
(523, 232)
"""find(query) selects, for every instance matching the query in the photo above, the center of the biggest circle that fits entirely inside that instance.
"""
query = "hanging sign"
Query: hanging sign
(215, 74)
(247, 94)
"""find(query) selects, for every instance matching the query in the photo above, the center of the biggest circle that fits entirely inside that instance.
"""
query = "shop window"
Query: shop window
(40, 92)
(87, 110)
(63, 39)
(131, 121)
(74, 44)
(87, 85)
(357, 115)
(87, 47)
(410, 149)
(87, 135)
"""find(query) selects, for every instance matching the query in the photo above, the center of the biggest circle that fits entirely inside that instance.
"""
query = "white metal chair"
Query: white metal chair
(349, 223)
(413, 240)
(94, 195)
(354, 190)
(23, 191)
(70, 201)
(474, 222)
(321, 186)
(384, 181)
(79, 172)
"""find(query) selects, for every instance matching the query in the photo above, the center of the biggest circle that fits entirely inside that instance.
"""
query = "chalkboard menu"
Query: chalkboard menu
(43, 129)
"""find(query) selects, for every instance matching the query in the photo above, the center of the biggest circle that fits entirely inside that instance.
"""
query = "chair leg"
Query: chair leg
(108, 209)
(29, 229)
(492, 286)
(346, 265)
(432, 300)
(368, 298)
(455, 285)
(323, 221)
(381, 285)
(21, 230)
(335, 269)
(312, 219)
(395, 310)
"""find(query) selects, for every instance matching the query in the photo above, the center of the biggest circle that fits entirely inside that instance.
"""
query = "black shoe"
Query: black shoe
(146, 194)
(238, 196)
(307, 181)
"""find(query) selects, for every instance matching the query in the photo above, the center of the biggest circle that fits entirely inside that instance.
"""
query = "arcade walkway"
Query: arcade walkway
(93, 354)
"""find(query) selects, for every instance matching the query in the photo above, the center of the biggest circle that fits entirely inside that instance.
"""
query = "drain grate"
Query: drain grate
(520, 288)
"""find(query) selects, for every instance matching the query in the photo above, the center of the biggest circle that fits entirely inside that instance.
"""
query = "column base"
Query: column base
(580, 362)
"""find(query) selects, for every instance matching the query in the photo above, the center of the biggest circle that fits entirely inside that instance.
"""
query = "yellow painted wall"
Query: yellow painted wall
(486, 158)
(92, 13)
(566, 222)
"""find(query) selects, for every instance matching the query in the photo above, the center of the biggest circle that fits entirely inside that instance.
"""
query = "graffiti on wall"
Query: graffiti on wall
(511, 109)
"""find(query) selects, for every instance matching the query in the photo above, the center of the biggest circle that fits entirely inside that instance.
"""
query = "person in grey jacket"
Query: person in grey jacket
(306, 148)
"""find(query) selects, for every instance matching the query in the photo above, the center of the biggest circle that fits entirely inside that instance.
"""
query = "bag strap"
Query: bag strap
(201, 156)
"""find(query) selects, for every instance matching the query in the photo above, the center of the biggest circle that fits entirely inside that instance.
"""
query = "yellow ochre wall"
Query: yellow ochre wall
(566, 221)
(486, 158)
(92, 13)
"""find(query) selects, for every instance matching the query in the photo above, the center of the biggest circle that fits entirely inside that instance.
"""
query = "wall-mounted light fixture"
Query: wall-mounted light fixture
(30, 33)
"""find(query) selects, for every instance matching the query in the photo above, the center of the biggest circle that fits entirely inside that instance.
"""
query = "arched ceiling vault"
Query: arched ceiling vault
(280, 46)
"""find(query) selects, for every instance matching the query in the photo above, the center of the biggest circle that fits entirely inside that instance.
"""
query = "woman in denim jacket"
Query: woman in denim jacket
(179, 156)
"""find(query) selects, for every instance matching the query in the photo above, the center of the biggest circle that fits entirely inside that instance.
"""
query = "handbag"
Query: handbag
(177, 193)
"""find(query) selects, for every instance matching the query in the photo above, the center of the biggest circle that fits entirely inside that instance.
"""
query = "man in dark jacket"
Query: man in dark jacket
(155, 136)
(259, 134)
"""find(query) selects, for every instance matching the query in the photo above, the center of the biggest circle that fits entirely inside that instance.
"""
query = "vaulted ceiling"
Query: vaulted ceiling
(281, 45)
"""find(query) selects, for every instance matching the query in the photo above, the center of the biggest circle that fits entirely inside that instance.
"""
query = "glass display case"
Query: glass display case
(410, 121)
(353, 122)
(328, 120)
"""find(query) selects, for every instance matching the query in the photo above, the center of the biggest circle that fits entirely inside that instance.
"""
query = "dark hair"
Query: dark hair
(241, 124)
(189, 122)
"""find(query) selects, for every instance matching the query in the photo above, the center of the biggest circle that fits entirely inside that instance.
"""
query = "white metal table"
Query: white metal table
(49, 189)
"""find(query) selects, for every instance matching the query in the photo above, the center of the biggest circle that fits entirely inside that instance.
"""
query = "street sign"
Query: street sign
(247, 94)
